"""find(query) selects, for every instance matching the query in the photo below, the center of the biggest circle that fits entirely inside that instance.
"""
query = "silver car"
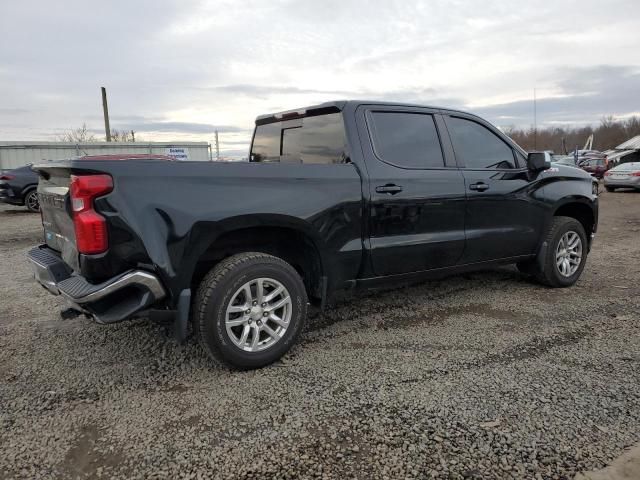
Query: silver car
(626, 175)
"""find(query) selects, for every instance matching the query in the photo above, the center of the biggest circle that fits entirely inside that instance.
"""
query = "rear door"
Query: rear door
(503, 218)
(416, 208)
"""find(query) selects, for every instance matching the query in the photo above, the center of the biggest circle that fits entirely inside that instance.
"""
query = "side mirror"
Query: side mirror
(537, 161)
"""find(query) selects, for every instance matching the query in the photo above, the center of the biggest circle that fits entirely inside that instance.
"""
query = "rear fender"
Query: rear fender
(205, 234)
(27, 189)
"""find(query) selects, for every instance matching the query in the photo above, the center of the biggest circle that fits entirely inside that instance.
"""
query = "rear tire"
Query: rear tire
(31, 201)
(610, 189)
(241, 326)
(565, 255)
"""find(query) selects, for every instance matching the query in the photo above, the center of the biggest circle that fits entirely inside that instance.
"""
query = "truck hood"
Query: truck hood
(559, 170)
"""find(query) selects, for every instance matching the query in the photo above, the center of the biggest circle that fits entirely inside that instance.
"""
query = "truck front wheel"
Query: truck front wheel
(249, 310)
(565, 255)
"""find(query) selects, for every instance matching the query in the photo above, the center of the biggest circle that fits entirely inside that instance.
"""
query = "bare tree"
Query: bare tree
(608, 134)
(77, 135)
(122, 136)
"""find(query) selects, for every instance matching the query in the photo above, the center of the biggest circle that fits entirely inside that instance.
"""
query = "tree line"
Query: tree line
(83, 135)
(607, 135)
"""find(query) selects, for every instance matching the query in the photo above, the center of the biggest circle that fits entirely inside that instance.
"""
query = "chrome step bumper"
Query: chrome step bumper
(116, 299)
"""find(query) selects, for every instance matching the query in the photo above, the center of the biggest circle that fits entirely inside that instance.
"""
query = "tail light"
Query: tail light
(90, 226)
(7, 177)
(636, 174)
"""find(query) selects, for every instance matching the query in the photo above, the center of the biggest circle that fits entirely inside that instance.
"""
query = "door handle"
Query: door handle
(389, 188)
(479, 187)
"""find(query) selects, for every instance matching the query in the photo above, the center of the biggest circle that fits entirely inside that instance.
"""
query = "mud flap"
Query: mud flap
(182, 316)
(542, 254)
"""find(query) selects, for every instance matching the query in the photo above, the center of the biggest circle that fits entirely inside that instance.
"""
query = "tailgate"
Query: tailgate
(55, 206)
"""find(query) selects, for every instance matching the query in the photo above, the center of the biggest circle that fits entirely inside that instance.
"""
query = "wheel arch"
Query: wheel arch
(579, 209)
(288, 238)
(28, 188)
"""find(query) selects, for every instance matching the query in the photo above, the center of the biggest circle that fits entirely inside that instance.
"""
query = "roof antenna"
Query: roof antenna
(535, 121)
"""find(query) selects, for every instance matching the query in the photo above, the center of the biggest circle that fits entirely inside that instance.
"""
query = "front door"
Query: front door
(417, 200)
(503, 218)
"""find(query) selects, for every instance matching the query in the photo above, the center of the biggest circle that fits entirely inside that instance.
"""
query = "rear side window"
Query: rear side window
(477, 146)
(408, 140)
(318, 139)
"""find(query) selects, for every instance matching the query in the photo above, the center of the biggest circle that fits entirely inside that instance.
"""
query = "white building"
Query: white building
(17, 154)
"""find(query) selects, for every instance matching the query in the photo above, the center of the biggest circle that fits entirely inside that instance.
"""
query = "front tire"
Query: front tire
(31, 201)
(565, 255)
(250, 309)
(610, 189)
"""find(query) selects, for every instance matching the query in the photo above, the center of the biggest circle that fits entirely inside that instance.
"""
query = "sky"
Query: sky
(177, 70)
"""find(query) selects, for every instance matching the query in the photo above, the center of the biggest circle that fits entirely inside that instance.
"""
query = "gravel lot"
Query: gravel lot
(478, 376)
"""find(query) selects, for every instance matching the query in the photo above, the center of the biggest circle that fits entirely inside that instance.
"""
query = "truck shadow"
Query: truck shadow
(372, 302)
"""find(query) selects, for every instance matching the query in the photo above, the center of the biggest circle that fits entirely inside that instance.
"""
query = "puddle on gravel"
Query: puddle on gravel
(83, 461)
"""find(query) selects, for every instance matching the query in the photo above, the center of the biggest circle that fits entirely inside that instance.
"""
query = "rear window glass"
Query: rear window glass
(627, 167)
(318, 140)
(594, 163)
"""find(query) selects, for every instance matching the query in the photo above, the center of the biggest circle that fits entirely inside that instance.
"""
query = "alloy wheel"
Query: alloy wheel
(32, 201)
(258, 314)
(569, 253)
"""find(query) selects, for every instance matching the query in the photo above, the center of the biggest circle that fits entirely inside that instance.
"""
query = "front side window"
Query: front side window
(318, 139)
(478, 147)
(408, 140)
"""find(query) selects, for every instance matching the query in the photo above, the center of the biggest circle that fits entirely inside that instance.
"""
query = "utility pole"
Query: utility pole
(105, 110)
(217, 148)
(133, 136)
(535, 121)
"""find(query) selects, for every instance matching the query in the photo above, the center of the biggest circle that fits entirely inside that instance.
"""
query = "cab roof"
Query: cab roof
(335, 106)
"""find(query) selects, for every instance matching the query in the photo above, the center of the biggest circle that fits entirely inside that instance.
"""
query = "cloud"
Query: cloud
(12, 111)
(586, 94)
(184, 68)
(266, 91)
(177, 127)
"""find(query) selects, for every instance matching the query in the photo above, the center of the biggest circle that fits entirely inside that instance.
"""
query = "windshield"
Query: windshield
(593, 163)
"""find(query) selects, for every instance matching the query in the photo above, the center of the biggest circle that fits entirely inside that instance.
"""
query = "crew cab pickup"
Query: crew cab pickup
(347, 194)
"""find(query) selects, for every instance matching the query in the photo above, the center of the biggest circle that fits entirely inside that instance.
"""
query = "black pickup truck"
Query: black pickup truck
(341, 195)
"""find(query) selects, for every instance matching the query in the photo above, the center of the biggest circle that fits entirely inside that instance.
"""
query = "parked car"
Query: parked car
(591, 161)
(337, 196)
(626, 175)
(594, 166)
(19, 187)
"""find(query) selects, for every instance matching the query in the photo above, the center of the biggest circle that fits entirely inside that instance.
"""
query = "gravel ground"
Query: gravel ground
(478, 376)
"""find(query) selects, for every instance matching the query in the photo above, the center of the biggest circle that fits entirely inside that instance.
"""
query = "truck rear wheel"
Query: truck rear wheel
(565, 255)
(249, 310)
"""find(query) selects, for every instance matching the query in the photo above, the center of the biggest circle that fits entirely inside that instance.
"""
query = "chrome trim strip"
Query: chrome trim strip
(43, 277)
(137, 277)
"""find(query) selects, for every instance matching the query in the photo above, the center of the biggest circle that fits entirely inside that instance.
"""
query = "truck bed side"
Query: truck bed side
(164, 216)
